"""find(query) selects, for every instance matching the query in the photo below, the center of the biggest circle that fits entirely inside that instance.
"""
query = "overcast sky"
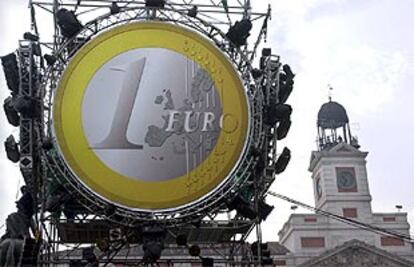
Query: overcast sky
(364, 49)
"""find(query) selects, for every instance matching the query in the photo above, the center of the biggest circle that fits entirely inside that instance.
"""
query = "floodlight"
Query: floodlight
(68, 23)
(89, 255)
(26, 106)
(50, 59)
(282, 161)
(30, 37)
(256, 73)
(275, 113)
(243, 207)
(264, 210)
(114, 8)
(239, 32)
(193, 12)
(181, 240)
(12, 149)
(12, 116)
(11, 72)
(152, 243)
(155, 3)
(266, 52)
(283, 129)
(194, 251)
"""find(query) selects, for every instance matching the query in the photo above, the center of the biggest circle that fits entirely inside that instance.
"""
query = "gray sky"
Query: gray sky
(364, 49)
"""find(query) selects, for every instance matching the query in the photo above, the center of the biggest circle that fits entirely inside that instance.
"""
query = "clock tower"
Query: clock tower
(338, 167)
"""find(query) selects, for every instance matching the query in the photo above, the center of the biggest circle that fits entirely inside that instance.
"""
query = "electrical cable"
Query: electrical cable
(349, 221)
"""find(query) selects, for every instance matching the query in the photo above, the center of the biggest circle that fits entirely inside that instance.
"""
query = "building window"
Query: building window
(312, 242)
(388, 219)
(279, 262)
(388, 241)
(310, 219)
(350, 212)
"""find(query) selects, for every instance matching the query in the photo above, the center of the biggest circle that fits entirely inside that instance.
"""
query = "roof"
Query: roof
(332, 115)
(357, 253)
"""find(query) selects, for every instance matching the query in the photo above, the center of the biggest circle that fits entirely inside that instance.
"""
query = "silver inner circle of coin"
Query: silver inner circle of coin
(151, 114)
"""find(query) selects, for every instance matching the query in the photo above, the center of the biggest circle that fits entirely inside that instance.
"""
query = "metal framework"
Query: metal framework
(42, 165)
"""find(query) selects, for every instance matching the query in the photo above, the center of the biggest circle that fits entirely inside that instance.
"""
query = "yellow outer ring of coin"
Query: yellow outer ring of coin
(125, 191)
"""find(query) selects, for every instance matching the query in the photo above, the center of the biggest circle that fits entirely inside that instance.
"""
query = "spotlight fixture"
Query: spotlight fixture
(256, 73)
(283, 128)
(282, 161)
(264, 210)
(194, 251)
(26, 106)
(275, 113)
(152, 243)
(114, 9)
(193, 12)
(243, 207)
(68, 23)
(30, 37)
(181, 240)
(89, 255)
(155, 3)
(11, 72)
(239, 32)
(50, 59)
(12, 116)
(12, 149)
(286, 83)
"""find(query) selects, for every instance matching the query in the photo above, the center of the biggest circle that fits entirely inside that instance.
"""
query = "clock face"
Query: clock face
(346, 180)
(318, 188)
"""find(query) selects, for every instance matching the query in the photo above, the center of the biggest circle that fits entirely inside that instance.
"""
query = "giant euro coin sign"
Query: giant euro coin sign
(151, 116)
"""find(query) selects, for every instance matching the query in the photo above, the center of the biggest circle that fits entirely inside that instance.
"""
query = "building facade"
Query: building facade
(341, 187)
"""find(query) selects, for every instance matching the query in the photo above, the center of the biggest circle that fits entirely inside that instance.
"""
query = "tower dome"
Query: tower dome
(332, 115)
(333, 126)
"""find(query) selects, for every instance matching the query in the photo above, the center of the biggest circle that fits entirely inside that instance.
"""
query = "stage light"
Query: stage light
(12, 149)
(47, 144)
(194, 251)
(286, 83)
(89, 255)
(11, 72)
(114, 9)
(181, 240)
(103, 244)
(12, 116)
(243, 207)
(239, 32)
(282, 161)
(283, 129)
(288, 71)
(266, 52)
(50, 59)
(285, 90)
(68, 23)
(256, 73)
(30, 37)
(193, 12)
(275, 113)
(264, 210)
(26, 106)
(207, 262)
(152, 243)
(155, 3)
